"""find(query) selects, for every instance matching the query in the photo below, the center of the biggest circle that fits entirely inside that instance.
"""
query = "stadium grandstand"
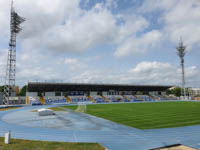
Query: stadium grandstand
(73, 93)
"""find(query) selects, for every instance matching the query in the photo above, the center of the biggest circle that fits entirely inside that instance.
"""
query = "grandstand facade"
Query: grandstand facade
(76, 89)
(48, 93)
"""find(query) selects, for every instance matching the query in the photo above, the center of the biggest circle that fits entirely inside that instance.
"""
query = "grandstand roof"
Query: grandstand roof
(50, 87)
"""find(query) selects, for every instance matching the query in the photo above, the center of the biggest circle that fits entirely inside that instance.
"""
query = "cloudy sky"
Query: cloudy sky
(103, 41)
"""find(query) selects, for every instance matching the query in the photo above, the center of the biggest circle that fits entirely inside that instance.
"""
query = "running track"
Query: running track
(115, 137)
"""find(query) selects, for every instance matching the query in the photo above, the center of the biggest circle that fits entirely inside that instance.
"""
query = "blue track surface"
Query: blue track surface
(24, 125)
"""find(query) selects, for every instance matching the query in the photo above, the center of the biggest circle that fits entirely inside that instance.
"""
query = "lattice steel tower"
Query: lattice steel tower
(181, 53)
(9, 87)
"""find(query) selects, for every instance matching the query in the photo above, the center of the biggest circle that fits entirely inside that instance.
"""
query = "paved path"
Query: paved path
(25, 124)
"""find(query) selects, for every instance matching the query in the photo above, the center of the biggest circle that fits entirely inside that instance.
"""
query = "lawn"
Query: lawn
(148, 115)
(39, 145)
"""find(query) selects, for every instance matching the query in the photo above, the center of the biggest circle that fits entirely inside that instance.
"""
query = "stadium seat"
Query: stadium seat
(34, 100)
(55, 100)
(76, 99)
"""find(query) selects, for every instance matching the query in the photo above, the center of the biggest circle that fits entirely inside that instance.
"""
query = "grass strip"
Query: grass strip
(17, 144)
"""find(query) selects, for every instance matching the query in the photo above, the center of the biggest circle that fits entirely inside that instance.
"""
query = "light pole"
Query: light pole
(181, 53)
(9, 87)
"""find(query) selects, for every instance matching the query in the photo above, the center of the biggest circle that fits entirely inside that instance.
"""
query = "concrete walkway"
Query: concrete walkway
(76, 127)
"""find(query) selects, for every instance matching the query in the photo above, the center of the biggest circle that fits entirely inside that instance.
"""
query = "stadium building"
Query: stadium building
(194, 91)
(48, 93)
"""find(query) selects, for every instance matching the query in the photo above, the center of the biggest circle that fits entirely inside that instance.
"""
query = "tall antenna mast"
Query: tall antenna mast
(9, 87)
(181, 53)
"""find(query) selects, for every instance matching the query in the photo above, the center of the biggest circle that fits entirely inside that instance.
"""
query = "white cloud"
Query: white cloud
(154, 73)
(162, 73)
(62, 26)
(75, 70)
(4, 18)
(66, 27)
(183, 20)
(81, 33)
(33, 66)
(154, 5)
(131, 25)
(147, 67)
(75, 65)
(180, 18)
(139, 45)
(42, 15)
(3, 57)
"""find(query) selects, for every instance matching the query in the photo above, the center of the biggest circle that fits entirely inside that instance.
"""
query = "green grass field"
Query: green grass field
(148, 115)
(39, 145)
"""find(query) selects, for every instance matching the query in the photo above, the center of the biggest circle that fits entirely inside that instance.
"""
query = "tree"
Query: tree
(168, 91)
(22, 91)
(1, 88)
(175, 91)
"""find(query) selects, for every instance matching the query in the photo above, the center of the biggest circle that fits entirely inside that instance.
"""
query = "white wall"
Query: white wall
(163, 93)
(105, 93)
(31, 94)
(50, 93)
(153, 93)
(93, 93)
(195, 91)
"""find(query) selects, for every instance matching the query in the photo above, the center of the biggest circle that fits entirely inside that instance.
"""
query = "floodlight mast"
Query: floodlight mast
(181, 53)
(9, 86)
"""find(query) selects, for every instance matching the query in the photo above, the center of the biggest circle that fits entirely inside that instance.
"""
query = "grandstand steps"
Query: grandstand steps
(153, 97)
(68, 99)
(106, 99)
(91, 99)
(126, 98)
(163, 97)
(139, 98)
(42, 101)
(27, 100)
